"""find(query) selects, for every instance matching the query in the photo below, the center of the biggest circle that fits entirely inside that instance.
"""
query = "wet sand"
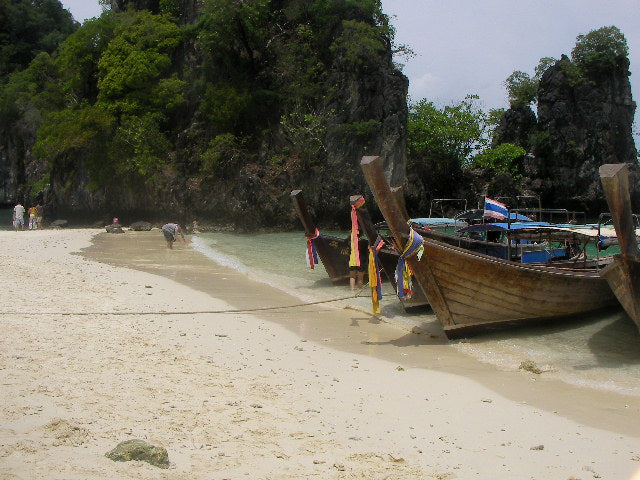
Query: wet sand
(306, 392)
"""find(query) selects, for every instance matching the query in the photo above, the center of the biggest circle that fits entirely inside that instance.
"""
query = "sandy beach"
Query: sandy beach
(106, 339)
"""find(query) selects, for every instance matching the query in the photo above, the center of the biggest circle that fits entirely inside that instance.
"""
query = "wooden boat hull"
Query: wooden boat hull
(334, 253)
(388, 257)
(474, 290)
(624, 274)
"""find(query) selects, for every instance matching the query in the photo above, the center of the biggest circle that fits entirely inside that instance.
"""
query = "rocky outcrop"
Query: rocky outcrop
(517, 125)
(584, 121)
(582, 125)
(139, 450)
(140, 226)
(371, 119)
(363, 112)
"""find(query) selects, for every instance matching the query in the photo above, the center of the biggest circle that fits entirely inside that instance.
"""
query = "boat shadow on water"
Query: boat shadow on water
(615, 343)
(603, 340)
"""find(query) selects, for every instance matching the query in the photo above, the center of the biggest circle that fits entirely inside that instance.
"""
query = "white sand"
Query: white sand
(234, 396)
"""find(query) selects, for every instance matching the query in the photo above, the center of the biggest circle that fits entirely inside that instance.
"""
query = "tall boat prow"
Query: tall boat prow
(623, 274)
(332, 251)
(387, 254)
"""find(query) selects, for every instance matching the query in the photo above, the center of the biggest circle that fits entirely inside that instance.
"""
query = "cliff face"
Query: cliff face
(517, 125)
(582, 123)
(258, 195)
(361, 103)
(375, 98)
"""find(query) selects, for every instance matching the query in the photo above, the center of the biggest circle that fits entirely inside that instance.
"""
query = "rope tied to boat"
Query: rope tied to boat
(312, 254)
(403, 271)
(375, 280)
(354, 257)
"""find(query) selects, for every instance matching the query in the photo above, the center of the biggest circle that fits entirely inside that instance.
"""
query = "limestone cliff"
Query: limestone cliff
(582, 123)
(226, 159)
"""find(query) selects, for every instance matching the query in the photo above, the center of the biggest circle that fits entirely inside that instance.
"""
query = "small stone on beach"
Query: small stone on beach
(530, 366)
(141, 451)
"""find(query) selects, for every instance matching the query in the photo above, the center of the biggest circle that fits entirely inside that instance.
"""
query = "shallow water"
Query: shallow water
(600, 351)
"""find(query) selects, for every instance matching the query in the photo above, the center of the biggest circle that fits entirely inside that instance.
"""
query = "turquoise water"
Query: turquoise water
(600, 351)
(279, 259)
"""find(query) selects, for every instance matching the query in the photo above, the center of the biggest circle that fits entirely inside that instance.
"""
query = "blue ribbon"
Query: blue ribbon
(413, 247)
(311, 249)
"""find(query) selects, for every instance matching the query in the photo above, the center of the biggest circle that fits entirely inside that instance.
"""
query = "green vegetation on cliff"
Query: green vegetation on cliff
(137, 102)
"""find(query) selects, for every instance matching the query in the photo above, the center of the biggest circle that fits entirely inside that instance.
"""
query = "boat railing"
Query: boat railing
(440, 202)
(552, 215)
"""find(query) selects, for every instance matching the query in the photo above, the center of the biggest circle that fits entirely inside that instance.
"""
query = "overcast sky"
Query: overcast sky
(471, 46)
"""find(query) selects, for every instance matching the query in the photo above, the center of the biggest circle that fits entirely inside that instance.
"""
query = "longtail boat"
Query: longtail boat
(332, 251)
(623, 274)
(469, 290)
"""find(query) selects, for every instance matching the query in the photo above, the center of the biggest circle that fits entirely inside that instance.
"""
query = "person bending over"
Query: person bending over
(171, 232)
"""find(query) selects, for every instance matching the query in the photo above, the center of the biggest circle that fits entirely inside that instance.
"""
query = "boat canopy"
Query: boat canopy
(477, 215)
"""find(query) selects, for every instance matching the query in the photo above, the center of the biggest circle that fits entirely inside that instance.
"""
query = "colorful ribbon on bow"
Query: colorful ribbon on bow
(312, 254)
(403, 272)
(354, 257)
(375, 280)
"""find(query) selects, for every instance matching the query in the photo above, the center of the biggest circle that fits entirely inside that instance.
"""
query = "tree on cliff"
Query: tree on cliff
(599, 49)
(28, 28)
(522, 89)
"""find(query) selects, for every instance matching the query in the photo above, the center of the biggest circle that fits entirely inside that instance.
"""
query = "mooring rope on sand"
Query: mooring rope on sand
(193, 312)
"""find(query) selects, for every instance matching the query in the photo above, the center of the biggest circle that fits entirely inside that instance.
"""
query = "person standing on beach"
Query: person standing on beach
(171, 231)
(32, 218)
(18, 216)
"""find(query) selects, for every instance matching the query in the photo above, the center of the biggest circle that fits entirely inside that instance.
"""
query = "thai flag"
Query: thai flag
(495, 209)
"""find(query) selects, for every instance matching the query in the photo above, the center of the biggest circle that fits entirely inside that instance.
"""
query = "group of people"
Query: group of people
(35, 217)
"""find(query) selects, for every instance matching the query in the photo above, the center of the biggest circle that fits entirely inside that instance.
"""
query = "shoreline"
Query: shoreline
(394, 341)
(335, 328)
(315, 392)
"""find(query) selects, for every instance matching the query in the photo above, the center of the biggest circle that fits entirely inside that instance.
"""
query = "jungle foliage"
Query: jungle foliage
(119, 93)
(140, 96)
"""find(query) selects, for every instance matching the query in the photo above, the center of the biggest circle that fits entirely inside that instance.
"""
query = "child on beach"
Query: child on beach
(171, 231)
(32, 218)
